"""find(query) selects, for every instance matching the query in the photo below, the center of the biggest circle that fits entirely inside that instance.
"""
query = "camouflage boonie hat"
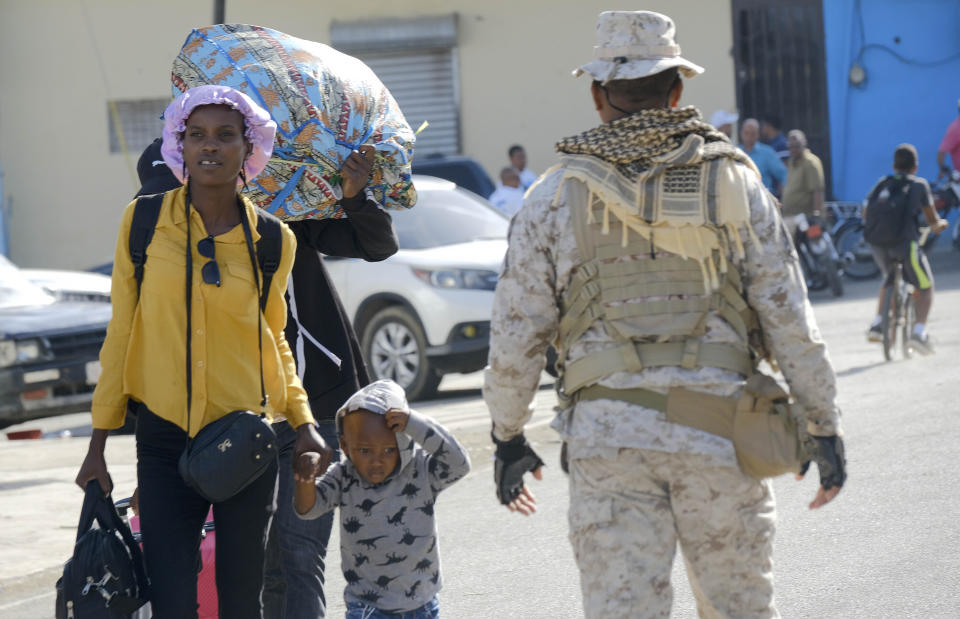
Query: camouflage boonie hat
(635, 44)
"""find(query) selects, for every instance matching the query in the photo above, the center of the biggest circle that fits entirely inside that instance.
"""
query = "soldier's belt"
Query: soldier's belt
(765, 434)
(630, 357)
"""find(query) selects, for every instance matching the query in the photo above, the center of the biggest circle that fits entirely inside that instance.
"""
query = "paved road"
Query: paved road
(888, 547)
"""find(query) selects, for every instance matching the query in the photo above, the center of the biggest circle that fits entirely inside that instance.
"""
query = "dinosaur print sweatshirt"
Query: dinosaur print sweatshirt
(388, 533)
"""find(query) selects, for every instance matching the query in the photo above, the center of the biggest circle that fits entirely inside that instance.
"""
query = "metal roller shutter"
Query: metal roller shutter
(416, 60)
(423, 84)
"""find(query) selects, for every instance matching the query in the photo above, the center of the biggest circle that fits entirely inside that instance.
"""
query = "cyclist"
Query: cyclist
(891, 227)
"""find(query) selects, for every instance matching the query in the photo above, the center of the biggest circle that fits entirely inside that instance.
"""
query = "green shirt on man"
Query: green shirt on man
(804, 177)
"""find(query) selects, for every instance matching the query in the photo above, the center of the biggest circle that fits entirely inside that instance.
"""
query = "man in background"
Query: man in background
(508, 197)
(771, 135)
(803, 193)
(772, 171)
(518, 160)
(725, 122)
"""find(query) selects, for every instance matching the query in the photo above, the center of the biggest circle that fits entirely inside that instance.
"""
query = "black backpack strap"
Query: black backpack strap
(269, 250)
(145, 215)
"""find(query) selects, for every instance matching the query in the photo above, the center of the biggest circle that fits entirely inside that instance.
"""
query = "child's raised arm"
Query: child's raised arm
(448, 460)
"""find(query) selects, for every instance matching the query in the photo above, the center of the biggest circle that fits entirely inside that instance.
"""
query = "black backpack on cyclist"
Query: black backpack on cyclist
(888, 212)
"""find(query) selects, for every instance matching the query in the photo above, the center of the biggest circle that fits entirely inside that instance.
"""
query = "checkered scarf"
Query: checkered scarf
(632, 142)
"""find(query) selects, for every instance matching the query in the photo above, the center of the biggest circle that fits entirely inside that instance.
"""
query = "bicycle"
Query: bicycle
(899, 313)
(899, 308)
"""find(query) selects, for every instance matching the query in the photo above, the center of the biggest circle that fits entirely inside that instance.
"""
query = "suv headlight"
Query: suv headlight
(8, 353)
(23, 351)
(471, 279)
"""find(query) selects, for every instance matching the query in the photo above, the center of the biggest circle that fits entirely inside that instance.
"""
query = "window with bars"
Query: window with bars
(140, 123)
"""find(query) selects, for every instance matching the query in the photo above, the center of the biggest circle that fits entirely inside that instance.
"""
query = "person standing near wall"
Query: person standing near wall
(950, 146)
(518, 160)
(772, 170)
(602, 260)
(508, 196)
(803, 193)
(725, 122)
(772, 136)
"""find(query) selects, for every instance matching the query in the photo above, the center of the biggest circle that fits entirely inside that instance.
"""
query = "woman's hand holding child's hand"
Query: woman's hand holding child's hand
(307, 468)
(397, 420)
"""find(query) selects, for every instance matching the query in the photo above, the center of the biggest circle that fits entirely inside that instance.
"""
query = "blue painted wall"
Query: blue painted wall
(898, 102)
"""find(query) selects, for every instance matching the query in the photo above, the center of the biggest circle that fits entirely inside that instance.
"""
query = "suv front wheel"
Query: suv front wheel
(396, 348)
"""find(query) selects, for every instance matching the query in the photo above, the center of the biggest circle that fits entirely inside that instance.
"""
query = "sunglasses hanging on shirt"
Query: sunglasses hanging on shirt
(210, 272)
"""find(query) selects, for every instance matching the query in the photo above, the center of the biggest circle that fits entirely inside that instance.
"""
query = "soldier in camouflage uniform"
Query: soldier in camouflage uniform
(656, 262)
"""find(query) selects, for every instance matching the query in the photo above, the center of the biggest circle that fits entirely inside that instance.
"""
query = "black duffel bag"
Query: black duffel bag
(105, 578)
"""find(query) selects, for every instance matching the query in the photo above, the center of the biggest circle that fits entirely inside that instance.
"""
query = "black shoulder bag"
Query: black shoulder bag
(232, 452)
(105, 578)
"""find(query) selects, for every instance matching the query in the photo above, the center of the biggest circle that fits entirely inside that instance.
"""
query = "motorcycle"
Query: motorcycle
(854, 251)
(819, 259)
(946, 197)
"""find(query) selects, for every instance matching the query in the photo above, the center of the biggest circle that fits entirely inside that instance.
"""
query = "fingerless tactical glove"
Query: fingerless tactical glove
(827, 452)
(513, 459)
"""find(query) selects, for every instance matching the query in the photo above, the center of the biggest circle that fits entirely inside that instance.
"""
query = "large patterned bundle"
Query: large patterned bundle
(325, 104)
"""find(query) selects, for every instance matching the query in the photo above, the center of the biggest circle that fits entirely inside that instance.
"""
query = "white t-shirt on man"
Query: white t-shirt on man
(507, 200)
(527, 178)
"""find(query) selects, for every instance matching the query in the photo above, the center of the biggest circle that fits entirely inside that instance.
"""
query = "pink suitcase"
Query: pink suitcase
(206, 579)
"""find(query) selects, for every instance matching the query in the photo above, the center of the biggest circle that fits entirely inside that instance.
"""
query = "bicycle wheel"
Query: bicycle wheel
(890, 317)
(909, 320)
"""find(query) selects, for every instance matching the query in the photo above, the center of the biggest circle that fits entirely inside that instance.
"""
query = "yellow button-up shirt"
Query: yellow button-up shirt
(144, 355)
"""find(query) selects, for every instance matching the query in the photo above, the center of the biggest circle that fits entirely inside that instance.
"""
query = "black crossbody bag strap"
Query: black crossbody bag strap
(256, 277)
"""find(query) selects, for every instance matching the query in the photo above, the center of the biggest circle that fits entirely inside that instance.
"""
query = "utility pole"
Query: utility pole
(219, 11)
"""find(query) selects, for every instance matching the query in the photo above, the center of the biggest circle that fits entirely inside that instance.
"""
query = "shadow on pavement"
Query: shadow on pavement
(17, 485)
(860, 368)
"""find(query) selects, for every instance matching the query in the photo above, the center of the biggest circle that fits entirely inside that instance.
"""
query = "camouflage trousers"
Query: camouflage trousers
(627, 515)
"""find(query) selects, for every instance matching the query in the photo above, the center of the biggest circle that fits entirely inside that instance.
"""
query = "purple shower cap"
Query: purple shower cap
(260, 128)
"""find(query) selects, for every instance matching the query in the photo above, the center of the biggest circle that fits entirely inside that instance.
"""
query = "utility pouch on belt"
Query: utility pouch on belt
(764, 433)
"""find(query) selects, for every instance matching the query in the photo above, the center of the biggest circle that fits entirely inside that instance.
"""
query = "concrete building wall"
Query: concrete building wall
(65, 59)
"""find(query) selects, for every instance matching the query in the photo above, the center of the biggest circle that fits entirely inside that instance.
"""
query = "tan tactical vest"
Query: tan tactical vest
(655, 306)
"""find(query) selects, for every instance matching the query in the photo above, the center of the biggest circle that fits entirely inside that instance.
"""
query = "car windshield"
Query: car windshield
(18, 291)
(446, 217)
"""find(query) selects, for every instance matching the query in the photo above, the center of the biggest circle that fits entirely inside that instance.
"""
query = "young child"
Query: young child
(397, 461)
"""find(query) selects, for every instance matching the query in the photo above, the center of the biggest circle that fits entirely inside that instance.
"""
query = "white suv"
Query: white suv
(425, 311)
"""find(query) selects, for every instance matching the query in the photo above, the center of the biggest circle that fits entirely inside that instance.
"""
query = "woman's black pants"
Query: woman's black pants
(171, 520)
